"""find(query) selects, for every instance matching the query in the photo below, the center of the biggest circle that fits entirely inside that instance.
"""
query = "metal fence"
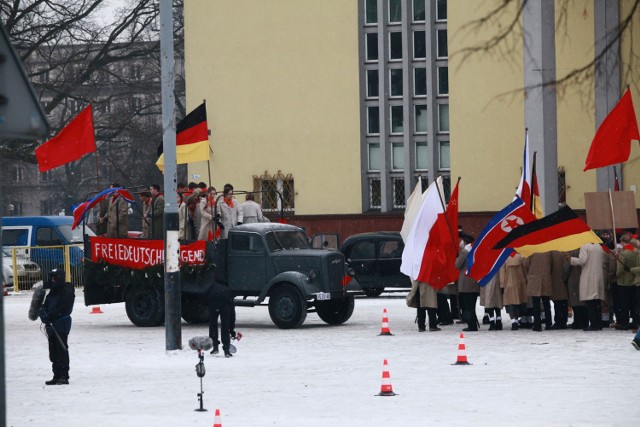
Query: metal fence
(30, 264)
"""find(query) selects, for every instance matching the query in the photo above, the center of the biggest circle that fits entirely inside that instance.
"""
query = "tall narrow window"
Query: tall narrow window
(441, 10)
(443, 80)
(397, 157)
(443, 51)
(395, 45)
(375, 193)
(398, 193)
(373, 120)
(421, 118)
(397, 119)
(418, 10)
(422, 159)
(419, 45)
(395, 11)
(372, 83)
(396, 82)
(372, 46)
(443, 118)
(445, 155)
(374, 157)
(371, 11)
(420, 81)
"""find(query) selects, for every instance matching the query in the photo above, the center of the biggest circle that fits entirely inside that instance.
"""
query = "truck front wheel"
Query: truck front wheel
(335, 312)
(287, 308)
(145, 306)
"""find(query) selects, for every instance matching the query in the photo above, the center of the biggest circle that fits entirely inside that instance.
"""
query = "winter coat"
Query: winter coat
(558, 286)
(103, 208)
(252, 212)
(206, 220)
(157, 217)
(146, 221)
(57, 306)
(491, 293)
(538, 268)
(594, 261)
(630, 260)
(465, 283)
(118, 218)
(450, 289)
(513, 280)
(573, 281)
(229, 216)
(428, 295)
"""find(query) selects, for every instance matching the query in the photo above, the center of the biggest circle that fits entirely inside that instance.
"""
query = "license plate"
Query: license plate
(322, 296)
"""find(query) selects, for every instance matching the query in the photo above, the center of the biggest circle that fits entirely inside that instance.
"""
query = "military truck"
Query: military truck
(259, 262)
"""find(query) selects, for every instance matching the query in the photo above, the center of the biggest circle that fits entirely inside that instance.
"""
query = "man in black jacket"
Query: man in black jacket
(56, 315)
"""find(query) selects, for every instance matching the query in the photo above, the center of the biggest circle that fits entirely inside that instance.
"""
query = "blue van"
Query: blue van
(44, 239)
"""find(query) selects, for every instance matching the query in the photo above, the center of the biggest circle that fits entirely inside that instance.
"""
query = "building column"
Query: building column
(538, 20)
(606, 17)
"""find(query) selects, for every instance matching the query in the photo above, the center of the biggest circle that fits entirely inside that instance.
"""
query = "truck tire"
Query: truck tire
(145, 306)
(373, 291)
(195, 309)
(335, 312)
(287, 308)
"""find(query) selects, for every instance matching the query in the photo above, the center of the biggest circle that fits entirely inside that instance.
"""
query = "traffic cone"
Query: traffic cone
(216, 419)
(96, 310)
(462, 353)
(385, 388)
(385, 324)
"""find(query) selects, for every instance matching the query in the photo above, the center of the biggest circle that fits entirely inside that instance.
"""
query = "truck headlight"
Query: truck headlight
(312, 276)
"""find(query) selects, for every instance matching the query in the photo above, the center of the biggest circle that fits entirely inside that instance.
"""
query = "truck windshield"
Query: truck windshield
(281, 240)
(74, 236)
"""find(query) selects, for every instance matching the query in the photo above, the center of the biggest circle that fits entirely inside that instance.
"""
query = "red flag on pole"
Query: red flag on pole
(73, 142)
(612, 143)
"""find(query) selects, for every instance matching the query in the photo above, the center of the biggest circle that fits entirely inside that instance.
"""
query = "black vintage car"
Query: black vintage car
(375, 259)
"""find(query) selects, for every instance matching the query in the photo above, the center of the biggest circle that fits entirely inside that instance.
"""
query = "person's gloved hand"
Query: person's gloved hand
(44, 316)
(626, 268)
(468, 247)
(239, 223)
(220, 226)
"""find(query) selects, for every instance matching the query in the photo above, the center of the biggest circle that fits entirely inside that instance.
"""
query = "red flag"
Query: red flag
(612, 143)
(438, 260)
(73, 142)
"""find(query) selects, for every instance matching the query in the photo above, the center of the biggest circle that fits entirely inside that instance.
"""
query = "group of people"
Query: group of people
(578, 283)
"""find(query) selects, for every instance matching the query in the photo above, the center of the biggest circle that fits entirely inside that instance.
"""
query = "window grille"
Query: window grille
(375, 194)
(268, 186)
(398, 193)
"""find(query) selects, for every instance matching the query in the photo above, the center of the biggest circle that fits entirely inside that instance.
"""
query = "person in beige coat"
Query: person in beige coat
(231, 213)
(594, 262)
(491, 300)
(207, 211)
(538, 267)
(423, 297)
(468, 289)
(117, 217)
(513, 281)
(572, 275)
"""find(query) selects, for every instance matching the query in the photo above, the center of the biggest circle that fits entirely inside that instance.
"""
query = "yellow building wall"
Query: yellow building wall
(282, 87)
(487, 104)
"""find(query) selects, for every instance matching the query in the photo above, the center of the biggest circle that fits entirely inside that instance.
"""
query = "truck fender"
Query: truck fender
(296, 278)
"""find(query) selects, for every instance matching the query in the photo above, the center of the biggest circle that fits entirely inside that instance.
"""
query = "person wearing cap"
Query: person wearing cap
(55, 313)
(145, 196)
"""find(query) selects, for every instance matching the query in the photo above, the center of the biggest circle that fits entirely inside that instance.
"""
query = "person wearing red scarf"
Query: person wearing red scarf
(230, 210)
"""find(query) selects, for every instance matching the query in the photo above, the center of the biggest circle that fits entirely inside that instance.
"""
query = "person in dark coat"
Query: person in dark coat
(221, 304)
(56, 315)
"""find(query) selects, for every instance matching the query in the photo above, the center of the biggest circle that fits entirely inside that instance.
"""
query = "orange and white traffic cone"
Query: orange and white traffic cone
(96, 310)
(216, 419)
(385, 324)
(462, 353)
(385, 388)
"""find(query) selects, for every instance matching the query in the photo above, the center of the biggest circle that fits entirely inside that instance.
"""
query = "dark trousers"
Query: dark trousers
(468, 305)
(594, 313)
(625, 296)
(227, 313)
(561, 313)
(58, 353)
(580, 318)
(422, 317)
(444, 312)
(537, 320)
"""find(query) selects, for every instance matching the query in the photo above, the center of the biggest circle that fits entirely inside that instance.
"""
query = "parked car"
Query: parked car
(45, 239)
(26, 271)
(375, 259)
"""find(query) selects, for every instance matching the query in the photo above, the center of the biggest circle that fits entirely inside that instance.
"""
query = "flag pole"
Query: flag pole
(613, 220)
(533, 174)
(97, 170)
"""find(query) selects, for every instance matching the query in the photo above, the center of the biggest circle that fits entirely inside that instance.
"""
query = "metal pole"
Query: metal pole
(3, 390)
(173, 332)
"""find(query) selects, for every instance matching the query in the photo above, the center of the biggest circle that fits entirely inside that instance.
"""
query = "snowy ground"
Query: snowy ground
(320, 375)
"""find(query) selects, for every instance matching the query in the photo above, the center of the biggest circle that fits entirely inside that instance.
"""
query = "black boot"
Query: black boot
(492, 325)
(215, 349)
(227, 353)
(498, 323)
(53, 381)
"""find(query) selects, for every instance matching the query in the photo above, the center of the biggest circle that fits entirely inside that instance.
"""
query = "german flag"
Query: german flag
(192, 139)
(561, 231)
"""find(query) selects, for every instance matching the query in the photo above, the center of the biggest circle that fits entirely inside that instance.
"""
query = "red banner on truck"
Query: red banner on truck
(141, 254)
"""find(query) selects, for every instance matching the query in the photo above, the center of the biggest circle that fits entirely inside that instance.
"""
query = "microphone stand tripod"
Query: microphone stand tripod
(200, 371)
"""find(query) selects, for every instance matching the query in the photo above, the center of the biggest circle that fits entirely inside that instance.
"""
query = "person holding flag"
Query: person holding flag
(468, 289)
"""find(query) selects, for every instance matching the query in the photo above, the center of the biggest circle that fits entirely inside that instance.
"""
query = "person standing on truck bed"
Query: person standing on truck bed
(206, 209)
(156, 215)
(117, 215)
(145, 196)
(251, 211)
(230, 211)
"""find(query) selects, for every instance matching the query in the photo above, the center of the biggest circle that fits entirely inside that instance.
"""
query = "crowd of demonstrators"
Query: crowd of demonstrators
(594, 285)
